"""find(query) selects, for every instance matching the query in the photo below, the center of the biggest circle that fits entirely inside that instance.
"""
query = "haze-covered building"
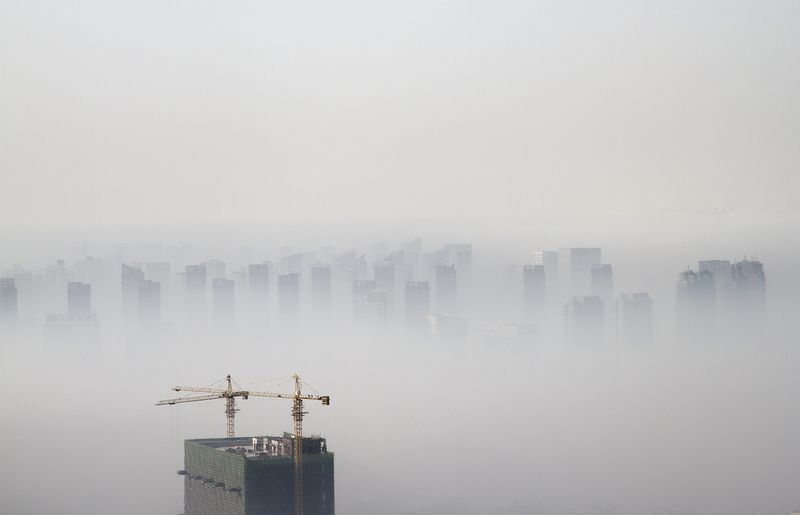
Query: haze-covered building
(149, 298)
(534, 293)
(750, 286)
(446, 289)
(601, 281)
(695, 306)
(258, 284)
(583, 319)
(289, 299)
(321, 293)
(255, 476)
(575, 268)
(224, 301)
(195, 292)
(418, 305)
(132, 277)
(635, 319)
(79, 300)
(8, 301)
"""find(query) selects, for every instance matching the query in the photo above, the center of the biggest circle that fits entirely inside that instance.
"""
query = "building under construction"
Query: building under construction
(255, 476)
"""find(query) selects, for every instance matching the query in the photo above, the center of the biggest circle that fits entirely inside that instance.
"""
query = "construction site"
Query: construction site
(256, 475)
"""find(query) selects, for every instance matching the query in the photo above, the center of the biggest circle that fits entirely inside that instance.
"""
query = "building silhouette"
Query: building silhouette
(695, 306)
(8, 301)
(79, 300)
(635, 319)
(321, 293)
(149, 299)
(132, 277)
(446, 289)
(750, 286)
(602, 283)
(255, 476)
(575, 267)
(418, 305)
(224, 301)
(195, 298)
(289, 299)
(584, 320)
(258, 287)
(534, 293)
(724, 295)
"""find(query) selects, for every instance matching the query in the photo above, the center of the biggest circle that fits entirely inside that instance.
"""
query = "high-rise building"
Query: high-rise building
(724, 294)
(635, 319)
(289, 298)
(255, 476)
(158, 272)
(602, 283)
(195, 297)
(446, 289)
(695, 306)
(751, 297)
(534, 293)
(321, 292)
(583, 317)
(385, 277)
(149, 298)
(79, 300)
(258, 285)
(418, 305)
(132, 277)
(575, 267)
(8, 301)
(361, 289)
(215, 269)
(224, 301)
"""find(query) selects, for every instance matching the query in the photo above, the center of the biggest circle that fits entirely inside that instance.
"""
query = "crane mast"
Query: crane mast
(297, 415)
(229, 394)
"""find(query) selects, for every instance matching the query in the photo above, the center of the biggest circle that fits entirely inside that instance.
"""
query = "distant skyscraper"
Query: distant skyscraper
(149, 298)
(132, 277)
(224, 300)
(602, 284)
(724, 294)
(446, 289)
(289, 298)
(695, 307)
(576, 269)
(195, 298)
(215, 269)
(751, 297)
(361, 289)
(418, 305)
(584, 322)
(321, 291)
(8, 301)
(385, 277)
(635, 319)
(258, 277)
(79, 300)
(534, 293)
(460, 254)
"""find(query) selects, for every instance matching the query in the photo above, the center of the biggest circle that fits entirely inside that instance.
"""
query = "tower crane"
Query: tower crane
(229, 394)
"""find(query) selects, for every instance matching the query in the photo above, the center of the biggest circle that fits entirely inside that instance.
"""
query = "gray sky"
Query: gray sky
(127, 112)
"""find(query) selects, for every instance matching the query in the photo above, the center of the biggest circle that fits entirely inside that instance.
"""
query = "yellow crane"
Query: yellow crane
(229, 394)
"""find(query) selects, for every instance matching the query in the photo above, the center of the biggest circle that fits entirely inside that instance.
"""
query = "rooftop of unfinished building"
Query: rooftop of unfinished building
(264, 446)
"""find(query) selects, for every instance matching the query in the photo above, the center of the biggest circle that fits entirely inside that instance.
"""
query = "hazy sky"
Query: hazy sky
(254, 111)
